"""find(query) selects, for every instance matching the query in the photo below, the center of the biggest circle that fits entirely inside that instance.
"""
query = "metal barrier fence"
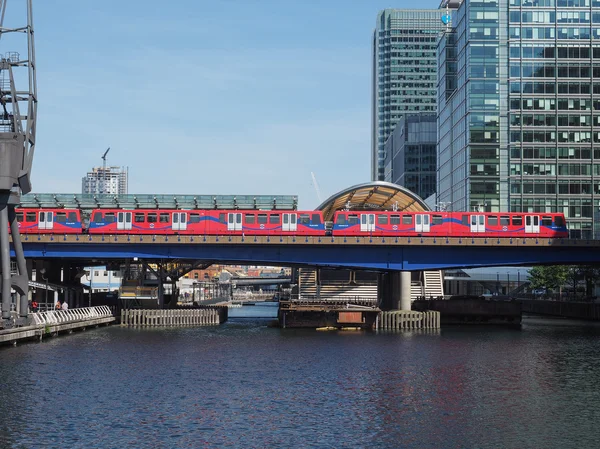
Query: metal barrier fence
(64, 316)
(212, 316)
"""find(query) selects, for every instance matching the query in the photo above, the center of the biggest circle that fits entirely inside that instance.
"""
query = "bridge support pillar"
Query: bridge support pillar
(394, 290)
(404, 302)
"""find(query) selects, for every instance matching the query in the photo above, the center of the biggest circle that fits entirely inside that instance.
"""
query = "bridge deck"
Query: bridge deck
(301, 240)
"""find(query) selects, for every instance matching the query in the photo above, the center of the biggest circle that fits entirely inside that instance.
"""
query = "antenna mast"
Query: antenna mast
(18, 112)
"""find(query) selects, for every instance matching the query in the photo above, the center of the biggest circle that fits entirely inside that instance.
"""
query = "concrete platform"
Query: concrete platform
(49, 324)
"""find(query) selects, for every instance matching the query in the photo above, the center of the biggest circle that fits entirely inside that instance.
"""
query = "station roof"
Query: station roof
(373, 196)
(131, 201)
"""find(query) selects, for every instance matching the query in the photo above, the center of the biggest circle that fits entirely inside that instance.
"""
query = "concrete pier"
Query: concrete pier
(210, 316)
(407, 319)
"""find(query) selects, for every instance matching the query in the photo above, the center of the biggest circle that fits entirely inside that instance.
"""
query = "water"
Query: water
(258, 310)
(246, 385)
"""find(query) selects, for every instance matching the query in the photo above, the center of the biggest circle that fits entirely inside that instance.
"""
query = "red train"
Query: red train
(282, 222)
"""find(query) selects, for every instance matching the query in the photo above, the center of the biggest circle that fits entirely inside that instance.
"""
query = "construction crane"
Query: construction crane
(103, 190)
(316, 184)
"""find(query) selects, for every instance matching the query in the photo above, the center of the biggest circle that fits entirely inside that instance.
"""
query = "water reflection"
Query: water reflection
(246, 385)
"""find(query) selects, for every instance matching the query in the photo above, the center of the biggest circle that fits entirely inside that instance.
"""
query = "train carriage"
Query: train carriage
(451, 224)
(205, 222)
(49, 221)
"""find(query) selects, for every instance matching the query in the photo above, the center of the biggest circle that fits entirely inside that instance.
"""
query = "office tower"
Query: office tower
(108, 180)
(404, 72)
(517, 129)
(410, 154)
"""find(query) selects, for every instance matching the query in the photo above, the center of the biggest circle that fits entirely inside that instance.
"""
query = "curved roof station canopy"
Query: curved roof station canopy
(373, 196)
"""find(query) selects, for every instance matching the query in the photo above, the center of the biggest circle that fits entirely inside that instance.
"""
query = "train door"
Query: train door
(367, 222)
(422, 223)
(123, 221)
(45, 220)
(234, 221)
(532, 224)
(289, 223)
(179, 221)
(477, 223)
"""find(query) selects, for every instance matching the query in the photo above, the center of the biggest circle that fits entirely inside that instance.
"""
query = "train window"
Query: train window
(194, 218)
(465, 220)
(222, 218)
(61, 217)
(152, 218)
(504, 220)
(493, 220)
(72, 217)
(437, 219)
(304, 219)
(262, 218)
(517, 220)
(42, 216)
(274, 219)
(407, 219)
(546, 221)
(316, 219)
(139, 218)
(96, 219)
(382, 219)
(250, 218)
(164, 218)
(353, 219)
(558, 221)
(19, 217)
(109, 217)
(395, 219)
(341, 220)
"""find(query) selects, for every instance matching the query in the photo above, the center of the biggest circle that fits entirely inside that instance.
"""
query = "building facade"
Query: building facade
(410, 154)
(109, 180)
(404, 72)
(517, 124)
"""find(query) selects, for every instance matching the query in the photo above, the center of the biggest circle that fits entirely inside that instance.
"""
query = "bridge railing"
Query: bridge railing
(63, 316)
(135, 291)
(338, 300)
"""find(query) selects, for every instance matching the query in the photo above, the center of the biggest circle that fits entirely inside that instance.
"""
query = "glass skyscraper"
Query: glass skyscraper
(518, 106)
(410, 154)
(404, 72)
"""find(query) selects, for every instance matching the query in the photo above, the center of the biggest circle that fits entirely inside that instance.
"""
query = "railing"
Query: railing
(146, 292)
(338, 300)
(253, 297)
(63, 316)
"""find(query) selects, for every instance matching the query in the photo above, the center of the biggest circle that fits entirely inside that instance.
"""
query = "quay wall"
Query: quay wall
(578, 310)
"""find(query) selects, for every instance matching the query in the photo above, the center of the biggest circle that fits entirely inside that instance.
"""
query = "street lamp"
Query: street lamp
(43, 272)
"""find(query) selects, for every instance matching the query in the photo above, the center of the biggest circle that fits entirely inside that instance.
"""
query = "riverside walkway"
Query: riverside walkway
(51, 323)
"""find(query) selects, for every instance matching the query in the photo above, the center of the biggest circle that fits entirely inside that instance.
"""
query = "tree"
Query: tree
(551, 277)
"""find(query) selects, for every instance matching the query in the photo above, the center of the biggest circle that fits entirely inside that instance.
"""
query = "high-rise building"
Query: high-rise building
(109, 180)
(404, 72)
(410, 154)
(516, 130)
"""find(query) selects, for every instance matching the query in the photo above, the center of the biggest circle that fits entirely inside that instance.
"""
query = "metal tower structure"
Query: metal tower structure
(18, 108)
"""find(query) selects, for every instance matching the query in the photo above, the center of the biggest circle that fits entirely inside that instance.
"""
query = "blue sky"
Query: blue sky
(206, 97)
